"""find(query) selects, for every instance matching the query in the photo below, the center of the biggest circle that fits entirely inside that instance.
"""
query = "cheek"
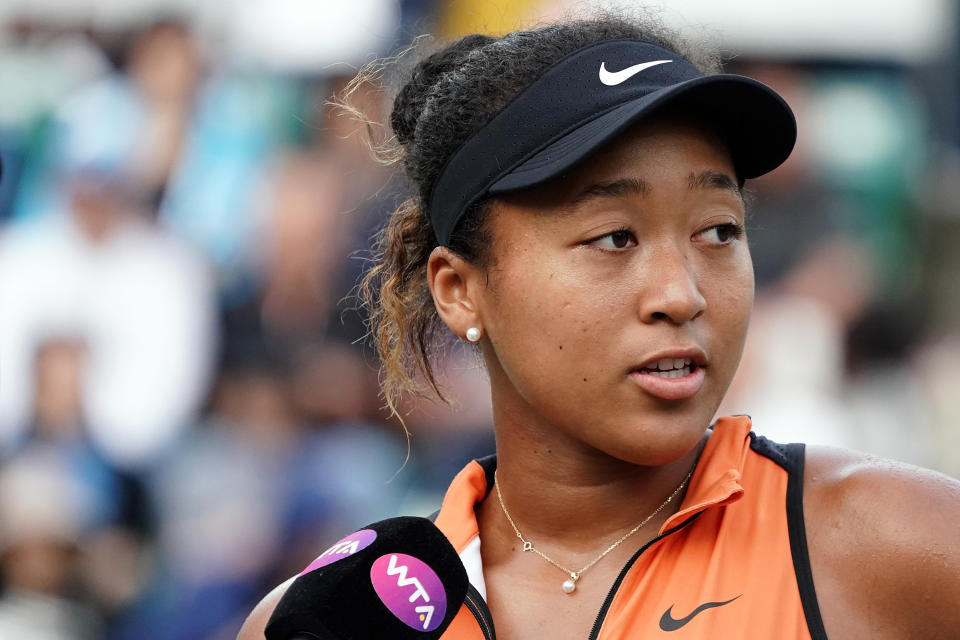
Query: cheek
(737, 291)
(542, 311)
(731, 298)
(544, 319)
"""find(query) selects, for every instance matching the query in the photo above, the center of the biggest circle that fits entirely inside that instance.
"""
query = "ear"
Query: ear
(455, 285)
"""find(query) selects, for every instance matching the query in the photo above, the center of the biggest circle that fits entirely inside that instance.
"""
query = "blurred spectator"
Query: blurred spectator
(67, 544)
(216, 190)
(129, 125)
(116, 512)
(165, 69)
(39, 66)
(42, 523)
(140, 298)
(57, 427)
(302, 245)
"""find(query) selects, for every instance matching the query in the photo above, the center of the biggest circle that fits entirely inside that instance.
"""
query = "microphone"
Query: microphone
(399, 578)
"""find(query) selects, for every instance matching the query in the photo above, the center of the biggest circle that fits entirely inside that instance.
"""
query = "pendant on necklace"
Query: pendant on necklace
(569, 586)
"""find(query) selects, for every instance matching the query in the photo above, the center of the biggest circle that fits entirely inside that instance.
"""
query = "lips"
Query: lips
(676, 375)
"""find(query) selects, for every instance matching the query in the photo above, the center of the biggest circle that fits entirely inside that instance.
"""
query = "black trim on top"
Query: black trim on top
(489, 466)
(791, 458)
(475, 603)
(772, 450)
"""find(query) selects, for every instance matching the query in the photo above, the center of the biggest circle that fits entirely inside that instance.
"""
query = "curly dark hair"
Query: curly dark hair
(446, 97)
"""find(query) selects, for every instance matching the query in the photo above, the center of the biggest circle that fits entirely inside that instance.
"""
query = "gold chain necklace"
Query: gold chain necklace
(570, 585)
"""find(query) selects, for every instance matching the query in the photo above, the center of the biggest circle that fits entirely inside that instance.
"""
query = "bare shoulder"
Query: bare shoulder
(884, 542)
(256, 622)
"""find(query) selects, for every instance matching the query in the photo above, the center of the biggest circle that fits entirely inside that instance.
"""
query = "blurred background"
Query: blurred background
(188, 410)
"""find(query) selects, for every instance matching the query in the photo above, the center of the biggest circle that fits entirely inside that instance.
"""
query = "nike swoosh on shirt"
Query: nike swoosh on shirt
(613, 78)
(669, 623)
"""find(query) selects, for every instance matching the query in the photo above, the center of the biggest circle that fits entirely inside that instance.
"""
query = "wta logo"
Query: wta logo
(344, 548)
(410, 590)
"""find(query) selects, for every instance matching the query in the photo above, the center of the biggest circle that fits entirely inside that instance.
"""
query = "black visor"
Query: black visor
(585, 100)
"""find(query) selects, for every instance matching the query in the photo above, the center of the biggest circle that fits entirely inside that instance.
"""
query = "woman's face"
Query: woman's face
(619, 296)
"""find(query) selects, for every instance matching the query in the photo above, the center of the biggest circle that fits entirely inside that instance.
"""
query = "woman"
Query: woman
(579, 216)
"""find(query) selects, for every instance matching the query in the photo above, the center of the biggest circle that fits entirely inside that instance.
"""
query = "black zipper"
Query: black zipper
(478, 607)
(595, 631)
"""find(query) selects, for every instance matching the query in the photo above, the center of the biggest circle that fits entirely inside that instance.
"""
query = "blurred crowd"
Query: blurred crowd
(189, 410)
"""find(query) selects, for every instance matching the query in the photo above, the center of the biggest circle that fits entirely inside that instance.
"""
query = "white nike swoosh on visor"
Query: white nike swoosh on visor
(612, 78)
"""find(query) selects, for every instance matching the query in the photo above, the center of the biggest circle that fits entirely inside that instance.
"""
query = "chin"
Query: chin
(655, 446)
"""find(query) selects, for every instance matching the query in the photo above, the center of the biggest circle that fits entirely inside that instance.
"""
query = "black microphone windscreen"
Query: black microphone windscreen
(398, 578)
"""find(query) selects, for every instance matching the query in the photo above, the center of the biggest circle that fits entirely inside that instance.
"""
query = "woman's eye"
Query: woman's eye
(621, 239)
(722, 233)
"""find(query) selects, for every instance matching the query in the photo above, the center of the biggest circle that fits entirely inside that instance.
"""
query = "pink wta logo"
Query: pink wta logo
(410, 590)
(345, 548)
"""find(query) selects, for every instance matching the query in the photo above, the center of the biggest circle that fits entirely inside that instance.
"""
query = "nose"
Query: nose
(672, 292)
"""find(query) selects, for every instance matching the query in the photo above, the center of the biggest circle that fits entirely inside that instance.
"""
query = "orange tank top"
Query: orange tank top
(730, 563)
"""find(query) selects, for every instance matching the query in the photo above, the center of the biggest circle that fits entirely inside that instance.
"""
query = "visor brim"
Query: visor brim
(755, 122)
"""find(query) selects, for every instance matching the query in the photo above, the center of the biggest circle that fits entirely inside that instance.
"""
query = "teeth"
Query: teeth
(670, 364)
(672, 373)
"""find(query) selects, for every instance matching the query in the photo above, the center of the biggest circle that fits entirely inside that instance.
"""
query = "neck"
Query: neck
(575, 498)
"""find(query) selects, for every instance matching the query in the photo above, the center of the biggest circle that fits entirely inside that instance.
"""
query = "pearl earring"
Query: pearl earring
(473, 334)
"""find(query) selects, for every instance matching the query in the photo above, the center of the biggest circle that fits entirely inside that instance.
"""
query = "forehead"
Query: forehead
(666, 151)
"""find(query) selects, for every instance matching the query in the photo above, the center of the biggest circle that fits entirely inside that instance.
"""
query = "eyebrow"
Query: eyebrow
(715, 180)
(636, 186)
(614, 189)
